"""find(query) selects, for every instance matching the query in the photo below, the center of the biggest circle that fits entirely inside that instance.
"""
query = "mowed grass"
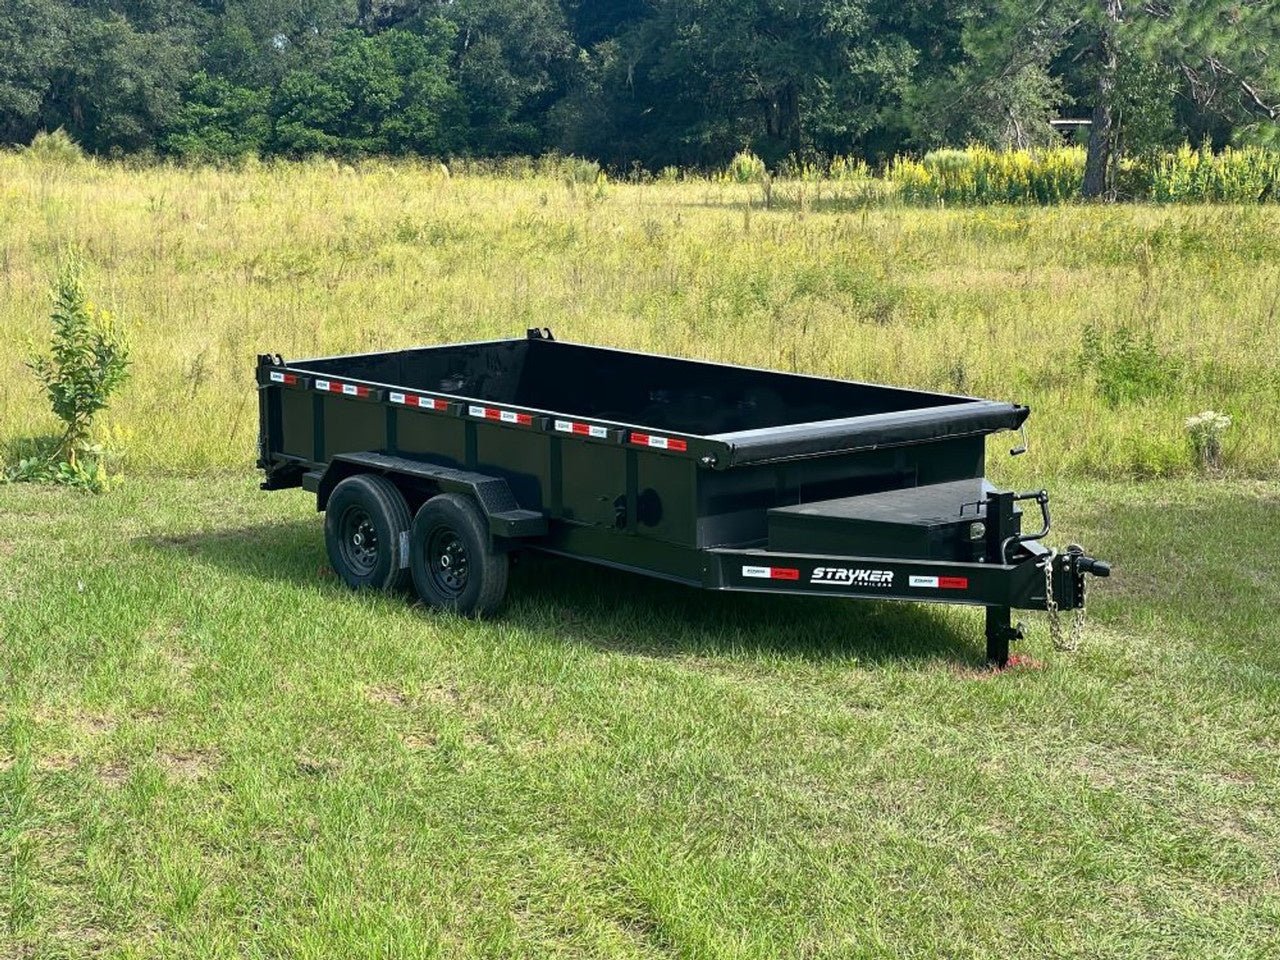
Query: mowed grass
(210, 748)
(207, 268)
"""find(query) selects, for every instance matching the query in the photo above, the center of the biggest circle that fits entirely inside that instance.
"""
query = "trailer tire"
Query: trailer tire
(366, 526)
(452, 559)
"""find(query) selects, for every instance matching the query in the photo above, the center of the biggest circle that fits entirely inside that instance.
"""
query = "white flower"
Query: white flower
(1208, 421)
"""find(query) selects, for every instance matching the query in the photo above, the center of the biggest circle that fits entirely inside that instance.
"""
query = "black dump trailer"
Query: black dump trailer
(434, 464)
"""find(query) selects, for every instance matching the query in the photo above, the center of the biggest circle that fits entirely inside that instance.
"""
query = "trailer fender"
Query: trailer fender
(505, 516)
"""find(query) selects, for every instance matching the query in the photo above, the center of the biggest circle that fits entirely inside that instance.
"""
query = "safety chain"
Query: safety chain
(1078, 617)
(1069, 642)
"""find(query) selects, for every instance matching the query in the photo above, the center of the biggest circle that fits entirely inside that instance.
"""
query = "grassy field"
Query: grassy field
(210, 267)
(208, 748)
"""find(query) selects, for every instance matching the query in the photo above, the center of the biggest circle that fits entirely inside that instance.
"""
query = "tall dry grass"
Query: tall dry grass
(210, 267)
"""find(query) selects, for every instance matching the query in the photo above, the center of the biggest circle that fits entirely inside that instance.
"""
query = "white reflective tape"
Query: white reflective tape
(396, 397)
(322, 384)
(564, 426)
(923, 581)
(762, 573)
(659, 442)
(277, 377)
(430, 404)
(476, 411)
(350, 389)
(601, 433)
(508, 416)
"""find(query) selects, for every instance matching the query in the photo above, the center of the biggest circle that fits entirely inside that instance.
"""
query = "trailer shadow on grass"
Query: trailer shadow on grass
(610, 609)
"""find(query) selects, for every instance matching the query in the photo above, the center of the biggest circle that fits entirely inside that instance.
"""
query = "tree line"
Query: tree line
(646, 83)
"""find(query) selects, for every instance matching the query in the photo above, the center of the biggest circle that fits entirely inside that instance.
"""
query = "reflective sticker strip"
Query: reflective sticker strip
(346, 389)
(288, 379)
(503, 416)
(413, 400)
(940, 583)
(658, 443)
(771, 573)
(582, 429)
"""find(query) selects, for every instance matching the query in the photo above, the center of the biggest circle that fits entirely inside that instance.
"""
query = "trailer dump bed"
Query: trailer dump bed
(661, 465)
(755, 414)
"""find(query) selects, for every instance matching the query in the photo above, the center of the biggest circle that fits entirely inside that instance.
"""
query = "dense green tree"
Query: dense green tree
(695, 80)
(510, 61)
(219, 120)
(90, 69)
(117, 86)
(376, 94)
(591, 21)
(1146, 74)
(999, 84)
(428, 117)
(233, 51)
(651, 82)
(33, 42)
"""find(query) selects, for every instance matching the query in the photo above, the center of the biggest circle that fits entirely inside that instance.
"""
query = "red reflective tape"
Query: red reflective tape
(413, 400)
(346, 389)
(503, 416)
(580, 429)
(953, 583)
(771, 573)
(659, 443)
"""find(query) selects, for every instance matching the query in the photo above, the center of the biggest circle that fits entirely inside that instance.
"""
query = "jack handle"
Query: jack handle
(1021, 447)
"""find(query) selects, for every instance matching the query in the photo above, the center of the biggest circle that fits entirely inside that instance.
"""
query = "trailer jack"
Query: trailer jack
(1002, 631)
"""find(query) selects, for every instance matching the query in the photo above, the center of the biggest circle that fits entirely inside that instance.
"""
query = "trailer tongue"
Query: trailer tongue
(436, 462)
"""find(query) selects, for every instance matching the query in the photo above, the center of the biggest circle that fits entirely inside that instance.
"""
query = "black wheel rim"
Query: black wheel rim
(358, 541)
(447, 561)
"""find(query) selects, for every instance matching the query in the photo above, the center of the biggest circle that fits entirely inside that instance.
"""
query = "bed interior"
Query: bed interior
(662, 393)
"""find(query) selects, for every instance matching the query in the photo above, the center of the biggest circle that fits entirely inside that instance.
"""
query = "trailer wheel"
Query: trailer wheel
(366, 523)
(452, 560)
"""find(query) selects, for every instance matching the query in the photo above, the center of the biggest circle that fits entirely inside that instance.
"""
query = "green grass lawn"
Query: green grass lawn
(210, 748)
